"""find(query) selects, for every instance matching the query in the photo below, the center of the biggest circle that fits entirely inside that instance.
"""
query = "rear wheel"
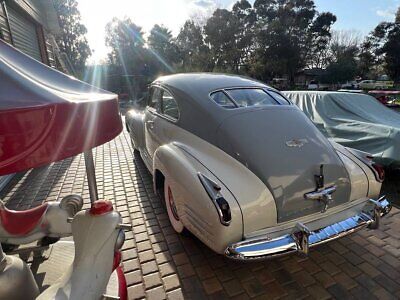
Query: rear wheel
(171, 208)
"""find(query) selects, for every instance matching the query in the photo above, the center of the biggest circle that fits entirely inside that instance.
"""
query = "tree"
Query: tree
(319, 37)
(128, 55)
(193, 52)
(72, 40)
(221, 33)
(245, 34)
(343, 65)
(163, 50)
(382, 47)
(391, 50)
(288, 35)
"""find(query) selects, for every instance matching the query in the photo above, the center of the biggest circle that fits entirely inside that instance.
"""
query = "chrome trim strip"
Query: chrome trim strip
(302, 239)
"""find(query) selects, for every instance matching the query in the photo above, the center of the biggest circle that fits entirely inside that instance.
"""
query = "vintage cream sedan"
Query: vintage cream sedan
(246, 171)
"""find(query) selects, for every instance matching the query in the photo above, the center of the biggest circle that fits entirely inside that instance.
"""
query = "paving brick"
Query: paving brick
(282, 276)
(345, 280)
(393, 241)
(152, 280)
(175, 295)
(353, 258)
(264, 276)
(389, 271)
(325, 279)
(338, 291)
(274, 290)
(369, 269)
(362, 293)
(372, 259)
(330, 267)
(211, 285)
(303, 278)
(295, 291)
(133, 277)
(131, 265)
(389, 284)
(157, 293)
(233, 287)
(163, 257)
(391, 260)
(367, 282)
(317, 292)
(149, 267)
(185, 270)
(253, 288)
(180, 259)
(223, 274)
(167, 269)
(310, 266)
(171, 282)
(205, 272)
(382, 294)
(146, 256)
(136, 291)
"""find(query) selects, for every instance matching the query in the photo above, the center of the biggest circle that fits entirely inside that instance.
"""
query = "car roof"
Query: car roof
(204, 83)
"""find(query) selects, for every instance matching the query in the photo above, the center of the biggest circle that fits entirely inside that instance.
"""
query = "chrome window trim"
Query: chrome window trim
(159, 114)
(265, 89)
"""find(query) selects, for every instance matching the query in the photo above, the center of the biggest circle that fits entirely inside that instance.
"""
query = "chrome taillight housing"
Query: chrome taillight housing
(214, 192)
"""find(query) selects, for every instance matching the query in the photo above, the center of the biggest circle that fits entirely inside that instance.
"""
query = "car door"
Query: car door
(152, 112)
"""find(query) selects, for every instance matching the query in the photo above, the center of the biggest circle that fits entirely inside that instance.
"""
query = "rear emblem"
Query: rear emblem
(298, 143)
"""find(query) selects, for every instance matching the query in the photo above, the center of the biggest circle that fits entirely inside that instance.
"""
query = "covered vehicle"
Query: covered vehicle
(354, 120)
(246, 171)
(388, 98)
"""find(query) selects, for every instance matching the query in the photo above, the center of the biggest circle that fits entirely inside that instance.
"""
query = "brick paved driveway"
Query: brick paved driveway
(161, 264)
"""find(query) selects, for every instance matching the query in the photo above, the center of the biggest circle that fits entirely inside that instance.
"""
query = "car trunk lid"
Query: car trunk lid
(285, 150)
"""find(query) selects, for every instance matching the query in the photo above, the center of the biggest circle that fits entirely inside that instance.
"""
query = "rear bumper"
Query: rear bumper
(301, 239)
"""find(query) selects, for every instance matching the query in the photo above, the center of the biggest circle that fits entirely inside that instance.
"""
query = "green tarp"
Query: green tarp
(354, 120)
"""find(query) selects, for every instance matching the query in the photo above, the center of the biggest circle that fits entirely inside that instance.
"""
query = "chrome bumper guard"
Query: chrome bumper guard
(302, 238)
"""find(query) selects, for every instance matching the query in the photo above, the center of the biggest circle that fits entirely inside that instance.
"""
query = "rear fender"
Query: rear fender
(195, 208)
(353, 164)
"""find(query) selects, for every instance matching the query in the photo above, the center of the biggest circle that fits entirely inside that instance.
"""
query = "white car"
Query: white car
(246, 171)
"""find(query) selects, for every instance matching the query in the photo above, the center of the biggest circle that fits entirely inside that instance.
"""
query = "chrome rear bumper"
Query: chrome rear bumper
(302, 238)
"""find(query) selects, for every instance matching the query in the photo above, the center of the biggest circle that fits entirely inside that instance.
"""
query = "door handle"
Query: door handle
(150, 124)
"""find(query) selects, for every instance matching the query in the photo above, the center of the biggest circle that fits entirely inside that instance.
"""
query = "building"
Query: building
(30, 26)
(308, 76)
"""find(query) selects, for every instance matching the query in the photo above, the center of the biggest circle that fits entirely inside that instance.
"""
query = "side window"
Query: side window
(169, 106)
(155, 98)
(222, 99)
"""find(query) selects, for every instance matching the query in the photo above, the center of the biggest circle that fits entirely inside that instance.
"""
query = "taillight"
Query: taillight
(225, 210)
(380, 172)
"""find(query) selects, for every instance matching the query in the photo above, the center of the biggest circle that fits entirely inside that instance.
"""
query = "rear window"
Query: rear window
(222, 99)
(247, 97)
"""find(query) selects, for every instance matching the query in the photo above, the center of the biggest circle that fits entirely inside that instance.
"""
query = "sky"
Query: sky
(356, 15)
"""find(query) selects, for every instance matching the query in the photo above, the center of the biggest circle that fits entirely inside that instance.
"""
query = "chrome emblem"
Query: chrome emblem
(298, 143)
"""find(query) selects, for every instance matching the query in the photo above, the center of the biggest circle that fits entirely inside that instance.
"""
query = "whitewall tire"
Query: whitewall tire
(171, 208)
